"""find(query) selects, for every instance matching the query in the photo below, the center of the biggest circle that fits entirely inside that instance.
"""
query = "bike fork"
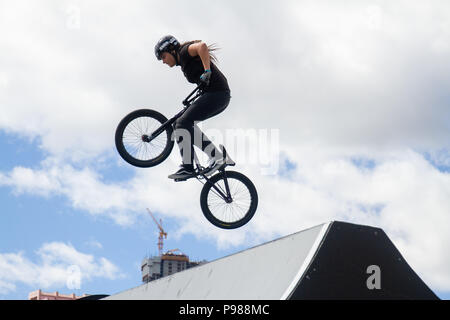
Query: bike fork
(227, 188)
(227, 196)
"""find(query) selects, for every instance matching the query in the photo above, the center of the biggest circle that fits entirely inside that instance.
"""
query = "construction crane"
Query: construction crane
(162, 233)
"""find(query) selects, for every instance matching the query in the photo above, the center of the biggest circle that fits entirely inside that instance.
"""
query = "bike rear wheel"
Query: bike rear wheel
(235, 212)
(132, 138)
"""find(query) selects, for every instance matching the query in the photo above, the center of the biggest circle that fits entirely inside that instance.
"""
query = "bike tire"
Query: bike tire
(128, 138)
(218, 219)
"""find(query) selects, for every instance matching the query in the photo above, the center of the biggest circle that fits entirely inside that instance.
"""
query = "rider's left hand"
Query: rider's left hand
(206, 76)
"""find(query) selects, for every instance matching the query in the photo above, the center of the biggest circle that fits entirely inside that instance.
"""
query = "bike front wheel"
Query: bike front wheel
(237, 207)
(133, 142)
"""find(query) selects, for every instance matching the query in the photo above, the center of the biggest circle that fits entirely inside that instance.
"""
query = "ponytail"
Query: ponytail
(211, 48)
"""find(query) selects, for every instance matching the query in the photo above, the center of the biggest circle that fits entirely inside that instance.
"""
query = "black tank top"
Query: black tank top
(192, 68)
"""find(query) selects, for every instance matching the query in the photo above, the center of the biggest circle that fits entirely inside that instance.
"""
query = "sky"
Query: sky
(339, 111)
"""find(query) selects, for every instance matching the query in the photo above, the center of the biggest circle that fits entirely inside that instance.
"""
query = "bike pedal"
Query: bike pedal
(204, 171)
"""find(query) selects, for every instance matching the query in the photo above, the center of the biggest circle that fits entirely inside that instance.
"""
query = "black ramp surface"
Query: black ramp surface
(339, 269)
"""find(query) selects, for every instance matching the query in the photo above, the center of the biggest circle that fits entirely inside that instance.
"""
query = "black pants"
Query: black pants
(188, 133)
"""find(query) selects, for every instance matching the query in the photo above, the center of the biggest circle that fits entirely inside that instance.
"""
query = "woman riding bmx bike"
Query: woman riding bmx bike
(144, 137)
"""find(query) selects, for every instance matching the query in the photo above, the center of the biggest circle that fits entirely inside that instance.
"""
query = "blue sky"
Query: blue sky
(341, 115)
(27, 221)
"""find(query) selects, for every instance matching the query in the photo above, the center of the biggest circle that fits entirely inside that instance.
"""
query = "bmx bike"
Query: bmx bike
(144, 138)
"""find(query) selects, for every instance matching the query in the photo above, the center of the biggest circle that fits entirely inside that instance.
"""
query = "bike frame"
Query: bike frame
(187, 103)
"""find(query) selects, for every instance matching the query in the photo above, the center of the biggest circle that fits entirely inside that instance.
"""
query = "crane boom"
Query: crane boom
(157, 223)
(162, 233)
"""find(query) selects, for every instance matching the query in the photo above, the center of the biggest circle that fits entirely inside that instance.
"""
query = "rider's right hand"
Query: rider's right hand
(205, 77)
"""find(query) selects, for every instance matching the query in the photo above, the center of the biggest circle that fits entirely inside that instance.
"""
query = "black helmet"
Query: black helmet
(166, 44)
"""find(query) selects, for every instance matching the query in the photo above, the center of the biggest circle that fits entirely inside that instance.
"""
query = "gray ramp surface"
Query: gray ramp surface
(268, 271)
(329, 261)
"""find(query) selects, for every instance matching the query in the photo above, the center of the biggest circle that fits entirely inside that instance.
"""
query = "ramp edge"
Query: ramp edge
(307, 261)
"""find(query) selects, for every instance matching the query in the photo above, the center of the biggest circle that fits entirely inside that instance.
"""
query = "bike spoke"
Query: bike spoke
(237, 209)
(135, 146)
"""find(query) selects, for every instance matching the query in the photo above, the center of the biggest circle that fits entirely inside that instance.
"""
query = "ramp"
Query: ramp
(335, 260)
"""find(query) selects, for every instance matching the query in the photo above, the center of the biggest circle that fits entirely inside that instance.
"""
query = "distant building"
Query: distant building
(157, 267)
(39, 295)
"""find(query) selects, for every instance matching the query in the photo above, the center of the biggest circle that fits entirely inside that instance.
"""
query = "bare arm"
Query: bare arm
(201, 49)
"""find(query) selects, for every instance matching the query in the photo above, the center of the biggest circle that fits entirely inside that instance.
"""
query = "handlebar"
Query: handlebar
(187, 101)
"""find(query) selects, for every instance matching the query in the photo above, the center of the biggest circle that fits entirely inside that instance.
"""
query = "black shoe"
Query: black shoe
(183, 173)
(220, 163)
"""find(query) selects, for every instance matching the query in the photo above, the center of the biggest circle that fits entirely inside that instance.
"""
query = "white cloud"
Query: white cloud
(354, 75)
(27, 180)
(94, 244)
(402, 193)
(54, 268)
